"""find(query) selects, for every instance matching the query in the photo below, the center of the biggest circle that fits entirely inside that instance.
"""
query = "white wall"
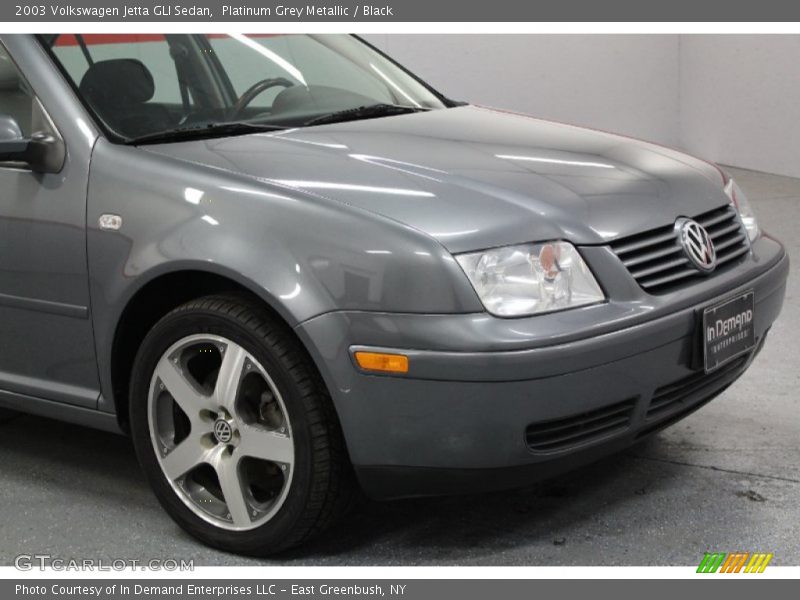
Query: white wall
(740, 100)
(627, 84)
(731, 99)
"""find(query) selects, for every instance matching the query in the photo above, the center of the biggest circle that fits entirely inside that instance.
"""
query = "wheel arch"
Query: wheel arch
(157, 296)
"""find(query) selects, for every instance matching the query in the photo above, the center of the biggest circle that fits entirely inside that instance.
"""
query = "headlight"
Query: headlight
(739, 200)
(531, 278)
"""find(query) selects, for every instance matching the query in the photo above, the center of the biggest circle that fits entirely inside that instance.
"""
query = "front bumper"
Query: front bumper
(469, 415)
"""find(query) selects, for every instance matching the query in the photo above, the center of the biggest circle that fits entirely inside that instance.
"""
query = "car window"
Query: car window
(146, 87)
(16, 96)
(150, 49)
(295, 57)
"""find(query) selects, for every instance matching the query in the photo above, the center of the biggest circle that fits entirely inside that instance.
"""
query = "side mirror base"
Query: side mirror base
(42, 152)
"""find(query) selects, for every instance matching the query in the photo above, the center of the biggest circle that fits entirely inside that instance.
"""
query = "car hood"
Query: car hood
(474, 177)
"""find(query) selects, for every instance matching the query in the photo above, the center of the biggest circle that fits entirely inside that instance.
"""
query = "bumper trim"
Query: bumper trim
(386, 482)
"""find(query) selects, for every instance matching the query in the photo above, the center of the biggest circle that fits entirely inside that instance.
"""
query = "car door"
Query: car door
(46, 342)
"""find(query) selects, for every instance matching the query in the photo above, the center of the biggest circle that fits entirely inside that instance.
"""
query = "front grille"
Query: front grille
(656, 260)
(560, 434)
(694, 390)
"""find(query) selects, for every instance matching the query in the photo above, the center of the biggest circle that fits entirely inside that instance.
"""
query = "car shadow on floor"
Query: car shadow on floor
(40, 451)
(547, 513)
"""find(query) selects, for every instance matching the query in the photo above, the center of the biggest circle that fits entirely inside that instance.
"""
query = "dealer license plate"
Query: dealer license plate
(728, 330)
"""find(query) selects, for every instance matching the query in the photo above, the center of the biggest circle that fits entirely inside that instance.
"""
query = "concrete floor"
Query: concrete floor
(725, 479)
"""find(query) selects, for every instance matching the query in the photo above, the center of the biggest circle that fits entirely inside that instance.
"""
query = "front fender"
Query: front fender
(304, 255)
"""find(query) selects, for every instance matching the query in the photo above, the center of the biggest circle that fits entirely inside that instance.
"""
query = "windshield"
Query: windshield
(149, 87)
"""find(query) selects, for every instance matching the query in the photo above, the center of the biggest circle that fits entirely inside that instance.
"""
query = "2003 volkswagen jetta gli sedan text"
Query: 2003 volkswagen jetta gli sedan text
(290, 270)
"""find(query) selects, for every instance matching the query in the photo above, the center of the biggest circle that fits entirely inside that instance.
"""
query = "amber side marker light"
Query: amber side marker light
(384, 363)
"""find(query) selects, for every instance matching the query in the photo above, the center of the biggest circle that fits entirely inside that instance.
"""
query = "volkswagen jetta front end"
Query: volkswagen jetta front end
(285, 266)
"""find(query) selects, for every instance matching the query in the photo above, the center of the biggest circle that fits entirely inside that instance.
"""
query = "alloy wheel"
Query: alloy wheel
(220, 431)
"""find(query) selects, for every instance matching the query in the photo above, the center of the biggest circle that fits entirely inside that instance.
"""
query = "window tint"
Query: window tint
(16, 97)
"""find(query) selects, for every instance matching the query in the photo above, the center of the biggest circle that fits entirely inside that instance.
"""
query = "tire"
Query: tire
(221, 384)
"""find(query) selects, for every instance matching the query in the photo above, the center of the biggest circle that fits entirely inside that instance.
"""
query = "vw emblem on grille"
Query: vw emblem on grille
(222, 431)
(697, 244)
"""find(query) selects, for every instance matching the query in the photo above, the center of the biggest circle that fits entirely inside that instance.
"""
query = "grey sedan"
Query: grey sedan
(292, 271)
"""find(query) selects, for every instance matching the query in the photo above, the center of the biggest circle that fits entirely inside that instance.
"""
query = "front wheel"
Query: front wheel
(234, 428)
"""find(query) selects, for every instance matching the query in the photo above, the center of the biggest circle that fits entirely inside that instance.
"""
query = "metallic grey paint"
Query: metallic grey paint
(478, 401)
(347, 231)
(44, 305)
(475, 178)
